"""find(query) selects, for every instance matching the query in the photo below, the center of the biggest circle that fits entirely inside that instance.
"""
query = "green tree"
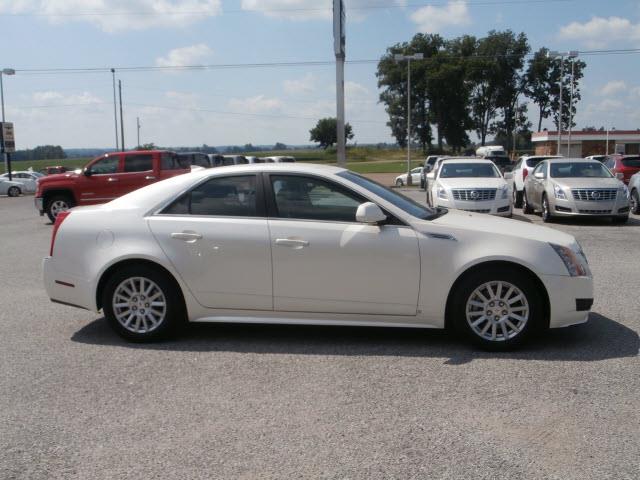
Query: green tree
(147, 146)
(326, 132)
(279, 146)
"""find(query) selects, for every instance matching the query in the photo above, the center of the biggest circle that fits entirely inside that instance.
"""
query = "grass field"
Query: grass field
(359, 159)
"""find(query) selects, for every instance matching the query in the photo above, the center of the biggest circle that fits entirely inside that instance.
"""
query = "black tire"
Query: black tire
(517, 197)
(399, 183)
(13, 192)
(474, 280)
(526, 206)
(619, 220)
(174, 310)
(58, 203)
(546, 210)
(635, 202)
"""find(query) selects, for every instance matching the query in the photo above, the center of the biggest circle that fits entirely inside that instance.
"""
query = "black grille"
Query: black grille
(474, 194)
(595, 212)
(477, 211)
(594, 194)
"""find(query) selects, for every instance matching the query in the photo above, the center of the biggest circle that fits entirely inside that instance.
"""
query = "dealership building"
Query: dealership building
(584, 143)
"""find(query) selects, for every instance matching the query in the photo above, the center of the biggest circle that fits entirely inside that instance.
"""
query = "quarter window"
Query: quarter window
(138, 163)
(220, 196)
(311, 198)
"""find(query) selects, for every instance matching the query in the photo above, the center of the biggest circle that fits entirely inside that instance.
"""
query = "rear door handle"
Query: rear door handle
(111, 179)
(189, 237)
(291, 242)
(149, 177)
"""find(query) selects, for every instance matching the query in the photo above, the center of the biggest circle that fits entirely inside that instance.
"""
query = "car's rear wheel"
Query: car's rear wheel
(497, 308)
(57, 204)
(142, 304)
(546, 210)
(517, 198)
(526, 206)
(13, 192)
(635, 202)
(399, 183)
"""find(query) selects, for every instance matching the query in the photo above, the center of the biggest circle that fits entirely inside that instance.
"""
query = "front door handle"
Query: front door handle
(189, 237)
(291, 242)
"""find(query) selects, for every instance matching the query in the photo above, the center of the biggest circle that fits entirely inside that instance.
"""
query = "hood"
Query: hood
(460, 220)
(472, 182)
(56, 177)
(588, 182)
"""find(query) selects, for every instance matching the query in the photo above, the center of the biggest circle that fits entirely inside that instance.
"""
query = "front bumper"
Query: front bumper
(572, 208)
(570, 299)
(39, 204)
(499, 207)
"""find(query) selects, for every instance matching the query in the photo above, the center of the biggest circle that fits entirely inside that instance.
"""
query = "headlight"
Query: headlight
(575, 262)
(559, 192)
(504, 192)
(442, 193)
(625, 190)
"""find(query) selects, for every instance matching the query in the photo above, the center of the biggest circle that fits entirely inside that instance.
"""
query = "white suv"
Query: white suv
(522, 168)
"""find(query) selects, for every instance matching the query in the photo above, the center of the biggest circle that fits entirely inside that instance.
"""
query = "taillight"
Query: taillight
(525, 172)
(56, 225)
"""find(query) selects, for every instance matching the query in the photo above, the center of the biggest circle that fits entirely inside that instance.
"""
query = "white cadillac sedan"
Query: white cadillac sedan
(474, 185)
(310, 244)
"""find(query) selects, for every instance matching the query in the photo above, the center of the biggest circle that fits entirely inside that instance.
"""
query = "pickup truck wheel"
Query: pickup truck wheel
(57, 204)
(13, 192)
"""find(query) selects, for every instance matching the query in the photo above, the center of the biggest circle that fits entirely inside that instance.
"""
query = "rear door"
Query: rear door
(137, 171)
(217, 238)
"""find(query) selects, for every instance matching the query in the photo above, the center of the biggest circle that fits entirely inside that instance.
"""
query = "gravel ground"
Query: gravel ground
(256, 401)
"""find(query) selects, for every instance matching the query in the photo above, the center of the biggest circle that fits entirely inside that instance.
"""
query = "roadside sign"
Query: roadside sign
(7, 137)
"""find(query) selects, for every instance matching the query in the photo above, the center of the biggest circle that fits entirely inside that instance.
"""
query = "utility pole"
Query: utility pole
(121, 119)
(138, 124)
(339, 20)
(7, 159)
(115, 108)
(572, 55)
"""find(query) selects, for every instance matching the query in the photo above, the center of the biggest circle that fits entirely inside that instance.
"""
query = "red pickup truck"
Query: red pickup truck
(105, 178)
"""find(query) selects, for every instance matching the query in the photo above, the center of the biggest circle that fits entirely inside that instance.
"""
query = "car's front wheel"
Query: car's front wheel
(635, 202)
(13, 192)
(497, 308)
(399, 182)
(546, 210)
(142, 304)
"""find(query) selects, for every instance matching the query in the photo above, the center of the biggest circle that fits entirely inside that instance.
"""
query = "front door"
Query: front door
(324, 261)
(102, 183)
(216, 236)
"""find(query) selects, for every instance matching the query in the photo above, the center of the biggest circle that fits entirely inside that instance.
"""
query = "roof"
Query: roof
(260, 167)
(614, 135)
(467, 160)
(572, 160)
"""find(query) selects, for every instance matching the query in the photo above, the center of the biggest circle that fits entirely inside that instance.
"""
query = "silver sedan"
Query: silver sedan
(575, 187)
(634, 193)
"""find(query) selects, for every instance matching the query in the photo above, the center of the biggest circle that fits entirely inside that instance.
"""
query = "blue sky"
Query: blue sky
(265, 105)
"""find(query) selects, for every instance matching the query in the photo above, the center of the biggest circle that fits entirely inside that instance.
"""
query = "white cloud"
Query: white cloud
(354, 90)
(52, 98)
(432, 19)
(304, 85)
(257, 104)
(613, 88)
(185, 56)
(600, 32)
(116, 15)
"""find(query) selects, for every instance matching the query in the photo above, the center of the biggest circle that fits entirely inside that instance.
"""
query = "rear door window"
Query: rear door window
(141, 162)
(632, 162)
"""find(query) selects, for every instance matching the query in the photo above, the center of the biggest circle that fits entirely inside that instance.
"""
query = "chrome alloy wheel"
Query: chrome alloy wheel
(58, 206)
(139, 305)
(497, 311)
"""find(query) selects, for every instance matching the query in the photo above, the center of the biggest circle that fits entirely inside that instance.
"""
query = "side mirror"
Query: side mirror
(87, 172)
(620, 176)
(370, 213)
(539, 175)
(431, 176)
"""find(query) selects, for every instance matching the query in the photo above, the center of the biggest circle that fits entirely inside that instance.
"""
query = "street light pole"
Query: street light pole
(5, 71)
(399, 57)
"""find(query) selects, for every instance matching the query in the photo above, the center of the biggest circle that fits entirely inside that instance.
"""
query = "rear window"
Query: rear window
(138, 163)
(633, 162)
(533, 162)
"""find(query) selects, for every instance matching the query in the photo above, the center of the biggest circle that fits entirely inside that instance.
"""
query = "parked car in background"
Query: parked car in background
(28, 179)
(491, 151)
(473, 185)
(504, 164)
(415, 177)
(196, 159)
(54, 170)
(600, 158)
(216, 159)
(235, 160)
(426, 168)
(10, 188)
(283, 159)
(623, 166)
(232, 244)
(563, 187)
(252, 160)
(105, 178)
(634, 193)
(522, 168)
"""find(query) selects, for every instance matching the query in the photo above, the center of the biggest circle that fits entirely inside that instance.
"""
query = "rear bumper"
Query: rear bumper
(62, 287)
(570, 299)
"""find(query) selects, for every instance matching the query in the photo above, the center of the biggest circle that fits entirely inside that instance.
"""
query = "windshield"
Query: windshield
(579, 170)
(466, 170)
(403, 203)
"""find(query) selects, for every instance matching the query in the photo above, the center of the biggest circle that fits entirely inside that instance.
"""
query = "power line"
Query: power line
(482, 3)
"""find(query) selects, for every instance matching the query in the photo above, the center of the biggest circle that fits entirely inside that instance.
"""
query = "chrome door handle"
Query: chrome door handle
(186, 236)
(111, 179)
(291, 242)
(149, 177)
